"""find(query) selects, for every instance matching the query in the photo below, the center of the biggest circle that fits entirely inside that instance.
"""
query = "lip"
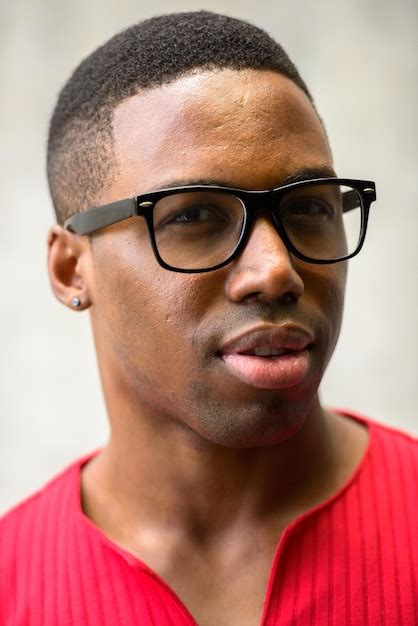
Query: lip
(283, 337)
(281, 372)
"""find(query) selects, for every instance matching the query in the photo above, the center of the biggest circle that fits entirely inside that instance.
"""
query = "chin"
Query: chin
(254, 426)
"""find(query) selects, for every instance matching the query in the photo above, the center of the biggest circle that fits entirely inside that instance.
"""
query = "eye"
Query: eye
(196, 214)
(307, 211)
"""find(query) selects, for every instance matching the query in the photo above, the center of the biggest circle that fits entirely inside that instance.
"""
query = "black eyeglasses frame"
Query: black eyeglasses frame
(253, 201)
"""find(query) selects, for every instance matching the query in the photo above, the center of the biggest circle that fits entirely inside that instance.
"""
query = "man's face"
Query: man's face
(161, 331)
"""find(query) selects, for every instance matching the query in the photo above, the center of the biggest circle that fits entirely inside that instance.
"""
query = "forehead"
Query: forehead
(247, 128)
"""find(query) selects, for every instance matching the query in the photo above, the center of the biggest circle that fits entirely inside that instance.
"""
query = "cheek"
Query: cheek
(129, 300)
(325, 291)
(147, 314)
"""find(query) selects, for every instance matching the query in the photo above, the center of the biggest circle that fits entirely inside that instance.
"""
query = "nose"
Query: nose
(264, 269)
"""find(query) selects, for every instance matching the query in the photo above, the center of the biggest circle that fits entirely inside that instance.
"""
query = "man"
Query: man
(201, 223)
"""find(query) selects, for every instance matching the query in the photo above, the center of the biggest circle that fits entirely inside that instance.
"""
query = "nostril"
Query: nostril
(285, 299)
(288, 298)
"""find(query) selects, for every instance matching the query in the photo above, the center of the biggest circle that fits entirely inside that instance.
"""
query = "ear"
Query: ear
(70, 267)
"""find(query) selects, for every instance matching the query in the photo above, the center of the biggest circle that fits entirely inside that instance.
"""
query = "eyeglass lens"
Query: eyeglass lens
(200, 229)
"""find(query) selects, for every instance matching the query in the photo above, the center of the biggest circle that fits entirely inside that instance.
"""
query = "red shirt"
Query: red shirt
(352, 560)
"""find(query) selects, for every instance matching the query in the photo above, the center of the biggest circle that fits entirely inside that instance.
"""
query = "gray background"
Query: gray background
(359, 59)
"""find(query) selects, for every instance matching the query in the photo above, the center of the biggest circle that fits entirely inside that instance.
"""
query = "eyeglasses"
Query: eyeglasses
(200, 228)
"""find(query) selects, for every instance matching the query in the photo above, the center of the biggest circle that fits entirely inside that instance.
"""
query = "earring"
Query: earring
(76, 302)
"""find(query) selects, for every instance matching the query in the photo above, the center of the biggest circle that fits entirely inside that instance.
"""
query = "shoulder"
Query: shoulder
(396, 454)
(34, 533)
(29, 519)
(37, 499)
(391, 462)
(393, 441)
(384, 433)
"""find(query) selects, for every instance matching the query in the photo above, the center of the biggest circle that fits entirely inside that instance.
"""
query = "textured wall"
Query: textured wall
(360, 62)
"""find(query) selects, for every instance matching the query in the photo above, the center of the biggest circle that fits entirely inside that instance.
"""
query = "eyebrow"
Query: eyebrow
(310, 174)
(306, 174)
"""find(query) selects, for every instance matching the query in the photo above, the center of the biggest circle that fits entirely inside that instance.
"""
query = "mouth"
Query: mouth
(275, 357)
(267, 352)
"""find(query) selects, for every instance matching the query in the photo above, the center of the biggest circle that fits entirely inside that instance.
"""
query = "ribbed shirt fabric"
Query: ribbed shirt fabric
(352, 560)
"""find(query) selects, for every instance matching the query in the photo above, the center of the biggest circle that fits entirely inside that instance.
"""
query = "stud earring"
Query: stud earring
(76, 302)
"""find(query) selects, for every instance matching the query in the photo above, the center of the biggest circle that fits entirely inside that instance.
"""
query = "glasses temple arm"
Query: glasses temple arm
(99, 217)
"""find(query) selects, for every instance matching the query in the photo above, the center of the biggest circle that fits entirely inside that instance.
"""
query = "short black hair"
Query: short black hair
(151, 53)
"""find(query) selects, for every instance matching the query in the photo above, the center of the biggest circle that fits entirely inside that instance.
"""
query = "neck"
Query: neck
(169, 477)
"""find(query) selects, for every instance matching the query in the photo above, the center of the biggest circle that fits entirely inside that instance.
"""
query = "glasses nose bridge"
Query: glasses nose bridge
(258, 203)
